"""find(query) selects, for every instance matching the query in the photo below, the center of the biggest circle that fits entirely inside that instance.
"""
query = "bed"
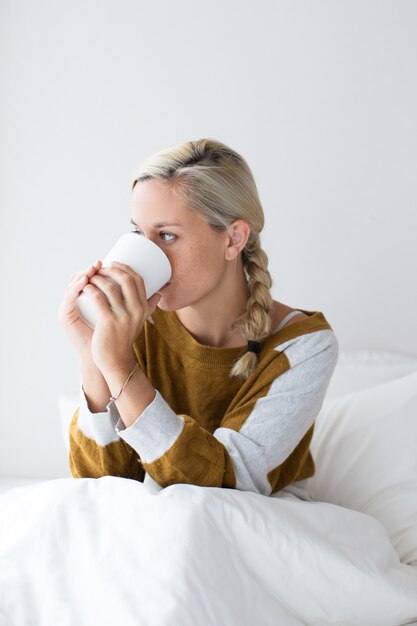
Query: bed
(337, 549)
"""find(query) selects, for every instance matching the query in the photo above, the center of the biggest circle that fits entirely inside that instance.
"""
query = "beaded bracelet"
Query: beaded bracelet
(126, 381)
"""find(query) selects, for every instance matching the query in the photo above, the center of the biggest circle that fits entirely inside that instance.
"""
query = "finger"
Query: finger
(132, 285)
(116, 266)
(90, 271)
(153, 302)
(111, 289)
(75, 287)
(78, 285)
(75, 277)
(72, 294)
(74, 290)
(98, 298)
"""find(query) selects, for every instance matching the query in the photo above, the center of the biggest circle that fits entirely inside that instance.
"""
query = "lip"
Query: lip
(166, 285)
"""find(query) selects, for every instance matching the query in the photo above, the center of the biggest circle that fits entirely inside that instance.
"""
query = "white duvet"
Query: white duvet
(112, 551)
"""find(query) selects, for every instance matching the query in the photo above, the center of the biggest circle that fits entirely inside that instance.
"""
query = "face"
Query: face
(198, 255)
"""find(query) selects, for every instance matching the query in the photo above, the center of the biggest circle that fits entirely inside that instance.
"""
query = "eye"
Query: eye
(169, 235)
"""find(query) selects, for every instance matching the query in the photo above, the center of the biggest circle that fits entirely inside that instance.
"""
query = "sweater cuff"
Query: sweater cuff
(100, 427)
(154, 431)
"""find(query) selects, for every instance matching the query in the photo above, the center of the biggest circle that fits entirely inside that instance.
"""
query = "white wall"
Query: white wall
(319, 97)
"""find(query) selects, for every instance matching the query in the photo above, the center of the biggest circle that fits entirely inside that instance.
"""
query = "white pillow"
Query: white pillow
(360, 369)
(365, 451)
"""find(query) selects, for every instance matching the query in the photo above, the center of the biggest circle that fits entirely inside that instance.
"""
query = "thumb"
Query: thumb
(153, 303)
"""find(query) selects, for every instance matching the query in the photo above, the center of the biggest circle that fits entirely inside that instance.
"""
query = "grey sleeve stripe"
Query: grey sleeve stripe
(155, 431)
(249, 460)
(100, 427)
(281, 418)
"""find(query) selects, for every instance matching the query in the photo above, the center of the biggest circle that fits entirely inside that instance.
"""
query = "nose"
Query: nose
(140, 234)
(155, 240)
(158, 243)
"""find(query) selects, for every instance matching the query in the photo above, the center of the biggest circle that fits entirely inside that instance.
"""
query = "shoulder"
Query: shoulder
(304, 335)
(280, 311)
(298, 365)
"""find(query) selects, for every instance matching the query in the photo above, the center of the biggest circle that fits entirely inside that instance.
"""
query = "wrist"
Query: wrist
(117, 368)
(117, 377)
(86, 357)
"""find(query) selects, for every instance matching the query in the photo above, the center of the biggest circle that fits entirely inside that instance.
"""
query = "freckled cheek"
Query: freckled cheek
(179, 260)
(192, 263)
(173, 261)
(183, 270)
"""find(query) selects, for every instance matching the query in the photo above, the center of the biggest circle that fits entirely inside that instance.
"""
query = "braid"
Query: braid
(255, 323)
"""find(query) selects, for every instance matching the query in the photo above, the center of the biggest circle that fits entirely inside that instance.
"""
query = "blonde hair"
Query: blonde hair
(216, 182)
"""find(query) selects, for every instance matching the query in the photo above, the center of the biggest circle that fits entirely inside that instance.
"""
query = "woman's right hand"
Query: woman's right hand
(79, 333)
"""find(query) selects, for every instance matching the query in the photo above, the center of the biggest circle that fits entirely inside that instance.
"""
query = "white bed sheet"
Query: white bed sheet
(10, 483)
(112, 550)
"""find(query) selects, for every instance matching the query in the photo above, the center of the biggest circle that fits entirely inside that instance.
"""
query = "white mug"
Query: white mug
(144, 257)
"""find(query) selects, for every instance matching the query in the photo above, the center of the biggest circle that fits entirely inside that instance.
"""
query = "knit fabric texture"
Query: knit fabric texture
(205, 427)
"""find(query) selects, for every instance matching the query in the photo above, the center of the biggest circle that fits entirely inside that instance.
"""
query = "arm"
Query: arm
(95, 388)
(96, 449)
(262, 441)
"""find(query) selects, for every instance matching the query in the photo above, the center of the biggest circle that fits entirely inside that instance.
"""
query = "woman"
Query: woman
(211, 382)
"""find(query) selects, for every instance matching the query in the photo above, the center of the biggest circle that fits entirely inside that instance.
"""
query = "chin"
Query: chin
(164, 306)
(171, 302)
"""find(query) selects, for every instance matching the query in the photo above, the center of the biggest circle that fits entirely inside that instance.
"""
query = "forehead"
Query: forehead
(154, 202)
(152, 195)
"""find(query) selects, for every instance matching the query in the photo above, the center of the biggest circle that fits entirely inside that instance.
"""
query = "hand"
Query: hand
(79, 333)
(119, 296)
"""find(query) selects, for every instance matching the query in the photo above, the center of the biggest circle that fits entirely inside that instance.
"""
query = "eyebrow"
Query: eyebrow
(160, 224)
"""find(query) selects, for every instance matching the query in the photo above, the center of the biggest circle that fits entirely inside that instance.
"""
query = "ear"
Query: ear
(238, 235)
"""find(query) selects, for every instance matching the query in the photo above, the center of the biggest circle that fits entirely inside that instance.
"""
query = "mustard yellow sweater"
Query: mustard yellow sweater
(206, 428)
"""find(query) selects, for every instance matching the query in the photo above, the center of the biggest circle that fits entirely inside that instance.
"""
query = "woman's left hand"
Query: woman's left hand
(122, 309)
